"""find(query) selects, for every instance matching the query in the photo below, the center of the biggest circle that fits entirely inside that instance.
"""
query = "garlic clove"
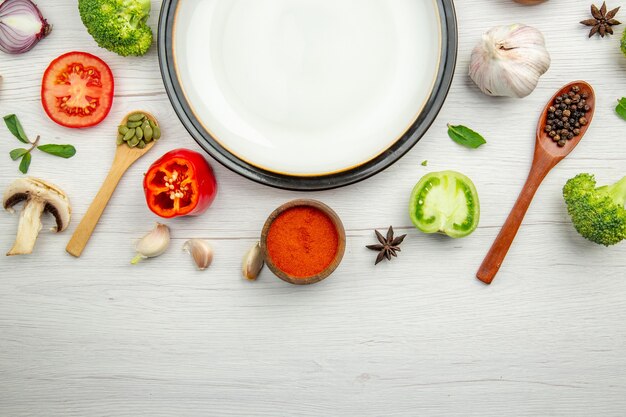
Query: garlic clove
(200, 251)
(153, 244)
(253, 263)
(509, 61)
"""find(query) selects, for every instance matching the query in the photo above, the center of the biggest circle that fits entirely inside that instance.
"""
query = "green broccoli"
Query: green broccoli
(598, 214)
(118, 25)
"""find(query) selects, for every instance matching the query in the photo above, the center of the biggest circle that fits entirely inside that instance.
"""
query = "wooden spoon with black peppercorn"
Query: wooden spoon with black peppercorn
(548, 153)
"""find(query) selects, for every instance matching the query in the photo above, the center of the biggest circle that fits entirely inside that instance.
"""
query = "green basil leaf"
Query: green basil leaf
(25, 163)
(16, 128)
(465, 136)
(17, 153)
(621, 108)
(64, 151)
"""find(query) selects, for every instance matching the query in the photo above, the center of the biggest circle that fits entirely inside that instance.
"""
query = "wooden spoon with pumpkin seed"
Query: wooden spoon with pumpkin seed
(125, 156)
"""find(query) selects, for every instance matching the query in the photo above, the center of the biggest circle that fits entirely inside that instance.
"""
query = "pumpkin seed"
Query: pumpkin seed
(136, 117)
(133, 142)
(122, 129)
(156, 132)
(147, 133)
(141, 144)
(152, 124)
(129, 135)
(120, 139)
(139, 133)
(133, 125)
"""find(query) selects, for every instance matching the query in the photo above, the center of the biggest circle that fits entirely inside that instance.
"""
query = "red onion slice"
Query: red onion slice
(22, 26)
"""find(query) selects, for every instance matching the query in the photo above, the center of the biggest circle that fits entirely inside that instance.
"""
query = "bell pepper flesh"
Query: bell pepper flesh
(180, 183)
(445, 202)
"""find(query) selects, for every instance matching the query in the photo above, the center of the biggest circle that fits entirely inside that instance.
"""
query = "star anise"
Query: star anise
(602, 20)
(388, 246)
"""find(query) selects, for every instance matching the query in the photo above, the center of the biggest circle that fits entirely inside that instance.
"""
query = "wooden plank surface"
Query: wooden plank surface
(419, 336)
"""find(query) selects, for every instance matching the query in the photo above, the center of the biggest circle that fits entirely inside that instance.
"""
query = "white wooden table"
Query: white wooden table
(419, 336)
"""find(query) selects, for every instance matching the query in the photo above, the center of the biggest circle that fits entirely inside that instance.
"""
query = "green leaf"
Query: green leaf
(25, 163)
(17, 153)
(16, 128)
(424, 163)
(621, 108)
(64, 151)
(465, 136)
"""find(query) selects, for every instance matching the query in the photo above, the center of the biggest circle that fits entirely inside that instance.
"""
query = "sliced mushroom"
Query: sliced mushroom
(39, 197)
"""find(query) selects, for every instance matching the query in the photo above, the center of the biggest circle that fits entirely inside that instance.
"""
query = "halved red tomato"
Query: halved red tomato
(77, 90)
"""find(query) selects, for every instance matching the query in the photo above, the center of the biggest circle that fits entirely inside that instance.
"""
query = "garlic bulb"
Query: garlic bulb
(200, 251)
(153, 244)
(509, 61)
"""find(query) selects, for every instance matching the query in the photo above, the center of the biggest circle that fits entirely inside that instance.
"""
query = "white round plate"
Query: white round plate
(304, 88)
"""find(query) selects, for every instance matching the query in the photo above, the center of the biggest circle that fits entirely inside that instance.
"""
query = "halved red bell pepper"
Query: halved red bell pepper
(180, 183)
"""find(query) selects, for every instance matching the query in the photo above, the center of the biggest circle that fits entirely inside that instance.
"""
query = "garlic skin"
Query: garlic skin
(200, 251)
(253, 262)
(509, 61)
(153, 244)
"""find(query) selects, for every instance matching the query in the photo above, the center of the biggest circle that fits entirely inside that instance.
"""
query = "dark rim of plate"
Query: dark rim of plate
(312, 183)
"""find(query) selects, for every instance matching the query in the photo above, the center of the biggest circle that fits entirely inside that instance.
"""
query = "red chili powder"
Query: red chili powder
(302, 241)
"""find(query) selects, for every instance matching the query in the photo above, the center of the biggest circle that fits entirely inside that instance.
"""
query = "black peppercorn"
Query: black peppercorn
(566, 115)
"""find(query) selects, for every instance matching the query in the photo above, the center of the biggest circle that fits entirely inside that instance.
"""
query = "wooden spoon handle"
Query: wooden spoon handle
(492, 262)
(83, 232)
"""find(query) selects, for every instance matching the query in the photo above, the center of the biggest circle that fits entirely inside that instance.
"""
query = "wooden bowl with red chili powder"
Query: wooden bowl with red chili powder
(303, 241)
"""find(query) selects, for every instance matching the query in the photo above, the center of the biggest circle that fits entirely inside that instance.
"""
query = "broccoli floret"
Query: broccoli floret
(118, 25)
(598, 214)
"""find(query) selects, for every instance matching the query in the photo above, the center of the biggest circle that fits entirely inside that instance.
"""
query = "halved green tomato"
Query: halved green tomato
(445, 202)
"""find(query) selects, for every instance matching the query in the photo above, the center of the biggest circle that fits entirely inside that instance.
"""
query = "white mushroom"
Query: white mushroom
(39, 196)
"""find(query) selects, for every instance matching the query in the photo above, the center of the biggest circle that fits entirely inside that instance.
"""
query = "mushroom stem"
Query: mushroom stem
(28, 228)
